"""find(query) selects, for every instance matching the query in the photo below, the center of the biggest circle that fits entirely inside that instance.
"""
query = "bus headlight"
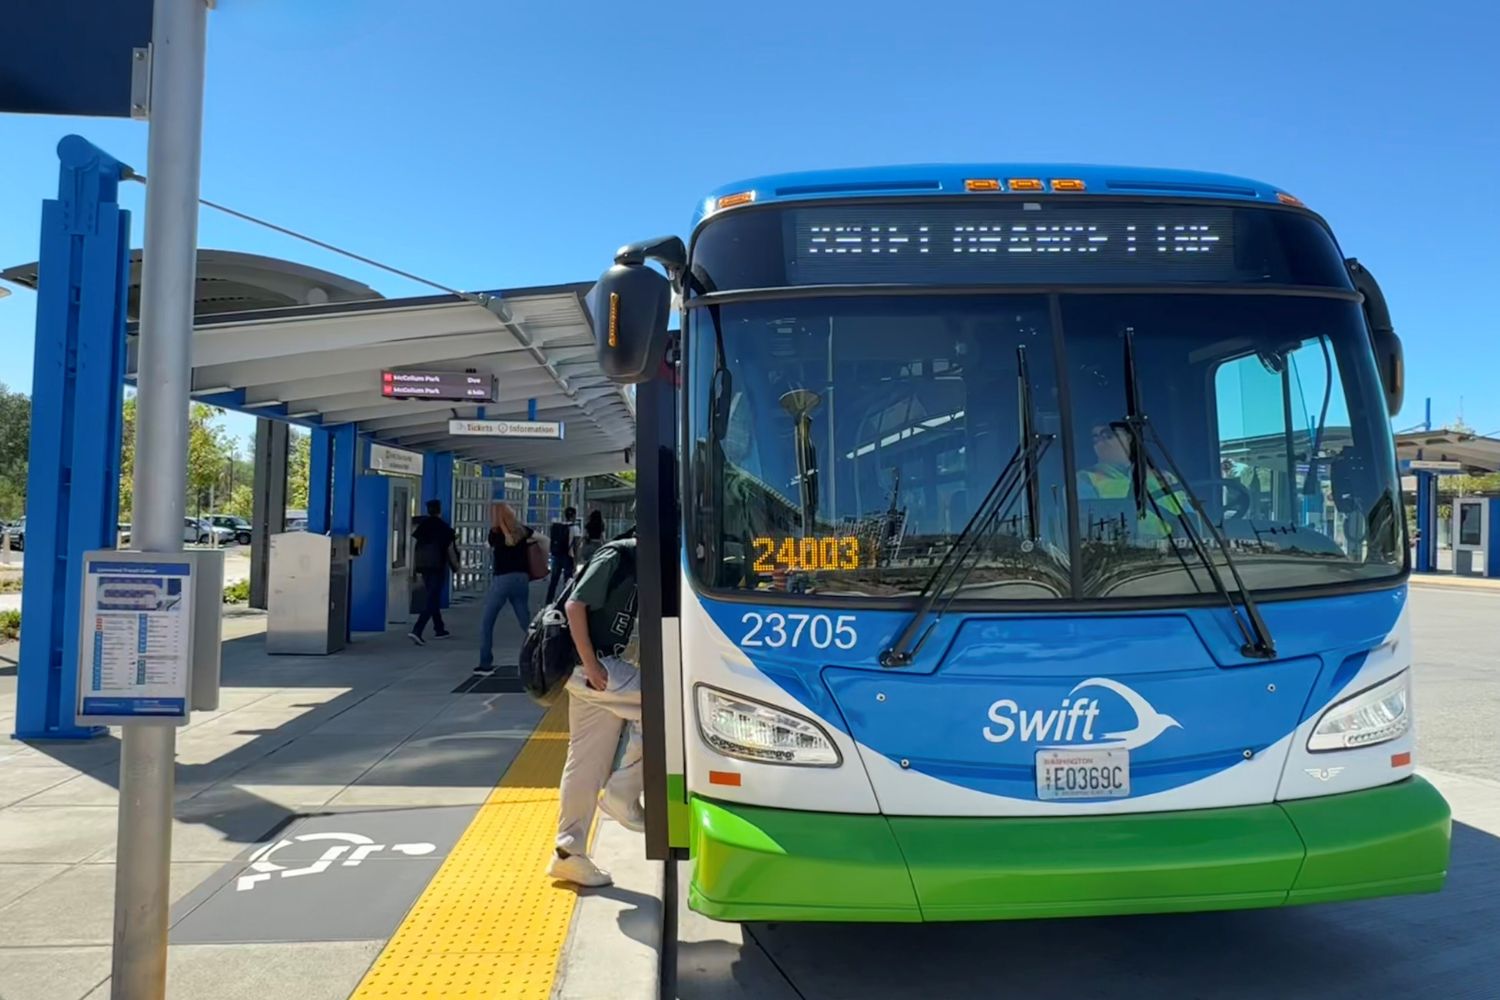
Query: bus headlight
(1375, 715)
(737, 726)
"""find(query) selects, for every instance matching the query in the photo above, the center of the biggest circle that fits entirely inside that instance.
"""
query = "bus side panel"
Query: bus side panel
(1308, 774)
(710, 658)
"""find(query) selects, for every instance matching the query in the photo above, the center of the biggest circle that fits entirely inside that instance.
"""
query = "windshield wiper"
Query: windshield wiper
(951, 572)
(1258, 640)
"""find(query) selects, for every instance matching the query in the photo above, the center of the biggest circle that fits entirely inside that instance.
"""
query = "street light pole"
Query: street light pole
(163, 384)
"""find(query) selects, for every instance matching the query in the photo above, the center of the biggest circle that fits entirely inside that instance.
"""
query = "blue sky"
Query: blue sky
(497, 145)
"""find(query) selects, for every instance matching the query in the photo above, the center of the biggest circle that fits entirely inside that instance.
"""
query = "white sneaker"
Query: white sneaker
(578, 869)
(416, 640)
(631, 815)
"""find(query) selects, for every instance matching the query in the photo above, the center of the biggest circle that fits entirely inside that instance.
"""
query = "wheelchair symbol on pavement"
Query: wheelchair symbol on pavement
(356, 846)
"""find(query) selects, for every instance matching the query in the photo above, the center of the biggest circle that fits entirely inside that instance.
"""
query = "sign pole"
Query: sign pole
(163, 382)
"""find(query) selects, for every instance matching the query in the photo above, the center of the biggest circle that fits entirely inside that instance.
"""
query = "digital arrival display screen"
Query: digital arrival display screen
(470, 387)
(1003, 241)
(887, 243)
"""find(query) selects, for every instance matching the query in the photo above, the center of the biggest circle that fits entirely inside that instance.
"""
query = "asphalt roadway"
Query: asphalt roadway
(1446, 944)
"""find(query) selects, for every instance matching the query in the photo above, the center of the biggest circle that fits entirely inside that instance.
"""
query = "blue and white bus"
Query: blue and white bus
(1019, 541)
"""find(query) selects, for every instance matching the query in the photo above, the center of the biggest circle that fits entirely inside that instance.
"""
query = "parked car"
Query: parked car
(238, 525)
(202, 532)
(122, 533)
(297, 524)
(18, 534)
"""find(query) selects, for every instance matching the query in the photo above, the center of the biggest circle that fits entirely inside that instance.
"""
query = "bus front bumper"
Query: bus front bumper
(756, 864)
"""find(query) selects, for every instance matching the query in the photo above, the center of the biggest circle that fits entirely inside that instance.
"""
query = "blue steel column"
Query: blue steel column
(345, 468)
(1426, 522)
(73, 480)
(319, 480)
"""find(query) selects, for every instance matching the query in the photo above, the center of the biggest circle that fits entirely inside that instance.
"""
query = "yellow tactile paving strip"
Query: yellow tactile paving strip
(490, 923)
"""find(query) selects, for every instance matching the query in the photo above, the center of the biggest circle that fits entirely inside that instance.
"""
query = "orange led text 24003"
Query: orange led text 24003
(806, 555)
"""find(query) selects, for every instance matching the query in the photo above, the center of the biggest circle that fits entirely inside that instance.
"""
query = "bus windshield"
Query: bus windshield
(838, 443)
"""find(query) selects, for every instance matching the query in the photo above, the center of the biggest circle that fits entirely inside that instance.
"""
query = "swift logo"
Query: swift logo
(1324, 773)
(1074, 720)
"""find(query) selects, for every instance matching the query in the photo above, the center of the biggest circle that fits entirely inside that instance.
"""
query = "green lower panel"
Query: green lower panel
(973, 869)
(776, 864)
(1379, 842)
(752, 863)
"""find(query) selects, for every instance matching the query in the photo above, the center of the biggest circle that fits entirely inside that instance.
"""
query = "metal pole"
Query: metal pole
(163, 381)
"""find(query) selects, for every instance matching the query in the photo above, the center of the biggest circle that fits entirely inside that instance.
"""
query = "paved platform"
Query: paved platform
(317, 814)
(375, 825)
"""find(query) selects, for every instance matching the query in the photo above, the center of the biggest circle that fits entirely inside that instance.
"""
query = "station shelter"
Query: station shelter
(294, 346)
(1454, 536)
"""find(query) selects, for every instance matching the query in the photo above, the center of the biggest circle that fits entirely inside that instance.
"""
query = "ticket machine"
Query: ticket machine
(384, 507)
(1476, 551)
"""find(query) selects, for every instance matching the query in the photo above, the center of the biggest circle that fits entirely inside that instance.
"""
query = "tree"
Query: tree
(299, 458)
(208, 453)
(15, 440)
(241, 502)
(127, 461)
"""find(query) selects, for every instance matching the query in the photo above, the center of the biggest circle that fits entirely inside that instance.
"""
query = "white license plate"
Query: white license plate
(1070, 773)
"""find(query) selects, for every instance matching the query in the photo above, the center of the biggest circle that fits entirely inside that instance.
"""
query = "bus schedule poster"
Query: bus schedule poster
(136, 638)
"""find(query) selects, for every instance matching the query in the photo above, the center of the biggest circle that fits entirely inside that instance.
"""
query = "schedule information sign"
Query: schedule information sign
(136, 642)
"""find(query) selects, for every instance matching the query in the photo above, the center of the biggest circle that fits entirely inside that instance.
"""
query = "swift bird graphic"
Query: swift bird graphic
(1149, 722)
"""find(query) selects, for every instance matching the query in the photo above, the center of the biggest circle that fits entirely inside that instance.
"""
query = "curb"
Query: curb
(614, 945)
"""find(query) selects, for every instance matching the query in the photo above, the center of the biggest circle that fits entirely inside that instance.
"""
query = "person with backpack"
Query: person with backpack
(593, 537)
(604, 697)
(510, 580)
(432, 554)
(564, 537)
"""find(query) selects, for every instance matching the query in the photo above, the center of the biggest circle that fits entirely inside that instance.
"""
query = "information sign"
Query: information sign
(136, 642)
(507, 428)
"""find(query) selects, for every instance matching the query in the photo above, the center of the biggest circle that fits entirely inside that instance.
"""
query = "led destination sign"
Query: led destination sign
(469, 387)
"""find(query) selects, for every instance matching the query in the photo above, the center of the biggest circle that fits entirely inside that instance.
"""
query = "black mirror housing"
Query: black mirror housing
(1390, 357)
(629, 308)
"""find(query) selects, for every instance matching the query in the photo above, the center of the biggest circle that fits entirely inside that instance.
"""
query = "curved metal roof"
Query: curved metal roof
(232, 282)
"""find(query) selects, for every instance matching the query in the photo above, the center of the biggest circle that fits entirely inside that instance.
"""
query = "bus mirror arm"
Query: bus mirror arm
(1390, 358)
(668, 251)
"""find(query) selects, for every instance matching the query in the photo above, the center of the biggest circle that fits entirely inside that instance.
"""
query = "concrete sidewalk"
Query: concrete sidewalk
(377, 755)
(1450, 581)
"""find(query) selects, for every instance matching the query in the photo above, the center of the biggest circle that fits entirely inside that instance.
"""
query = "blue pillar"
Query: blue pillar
(531, 409)
(72, 482)
(319, 480)
(345, 470)
(1426, 522)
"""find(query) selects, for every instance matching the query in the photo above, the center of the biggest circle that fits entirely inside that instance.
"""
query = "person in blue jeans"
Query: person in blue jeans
(510, 582)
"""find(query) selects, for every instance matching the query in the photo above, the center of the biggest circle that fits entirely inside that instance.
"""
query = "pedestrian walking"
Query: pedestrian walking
(563, 537)
(510, 583)
(433, 554)
(593, 537)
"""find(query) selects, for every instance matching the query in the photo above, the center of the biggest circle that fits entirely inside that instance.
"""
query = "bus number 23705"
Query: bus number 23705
(776, 630)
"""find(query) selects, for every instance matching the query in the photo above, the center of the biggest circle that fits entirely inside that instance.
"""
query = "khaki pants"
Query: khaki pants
(595, 721)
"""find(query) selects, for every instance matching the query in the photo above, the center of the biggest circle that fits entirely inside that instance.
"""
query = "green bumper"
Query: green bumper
(751, 863)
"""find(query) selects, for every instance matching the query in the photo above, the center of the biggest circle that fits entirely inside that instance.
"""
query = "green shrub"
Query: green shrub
(237, 592)
(10, 624)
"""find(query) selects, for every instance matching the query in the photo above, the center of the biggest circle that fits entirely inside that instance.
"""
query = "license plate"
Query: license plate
(1082, 774)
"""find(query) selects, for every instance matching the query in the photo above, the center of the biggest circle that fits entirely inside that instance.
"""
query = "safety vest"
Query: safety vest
(1112, 482)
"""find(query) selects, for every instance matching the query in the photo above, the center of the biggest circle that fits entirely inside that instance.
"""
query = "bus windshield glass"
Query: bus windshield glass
(839, 443)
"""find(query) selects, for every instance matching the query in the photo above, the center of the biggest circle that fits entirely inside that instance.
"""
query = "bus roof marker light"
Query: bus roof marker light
(1068, 184)
(1025, 184)
(982, 184)
(738, 198)
(1287, 199)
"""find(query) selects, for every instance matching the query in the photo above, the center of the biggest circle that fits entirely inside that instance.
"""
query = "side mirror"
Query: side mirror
(629, 308)
(1390, 357)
